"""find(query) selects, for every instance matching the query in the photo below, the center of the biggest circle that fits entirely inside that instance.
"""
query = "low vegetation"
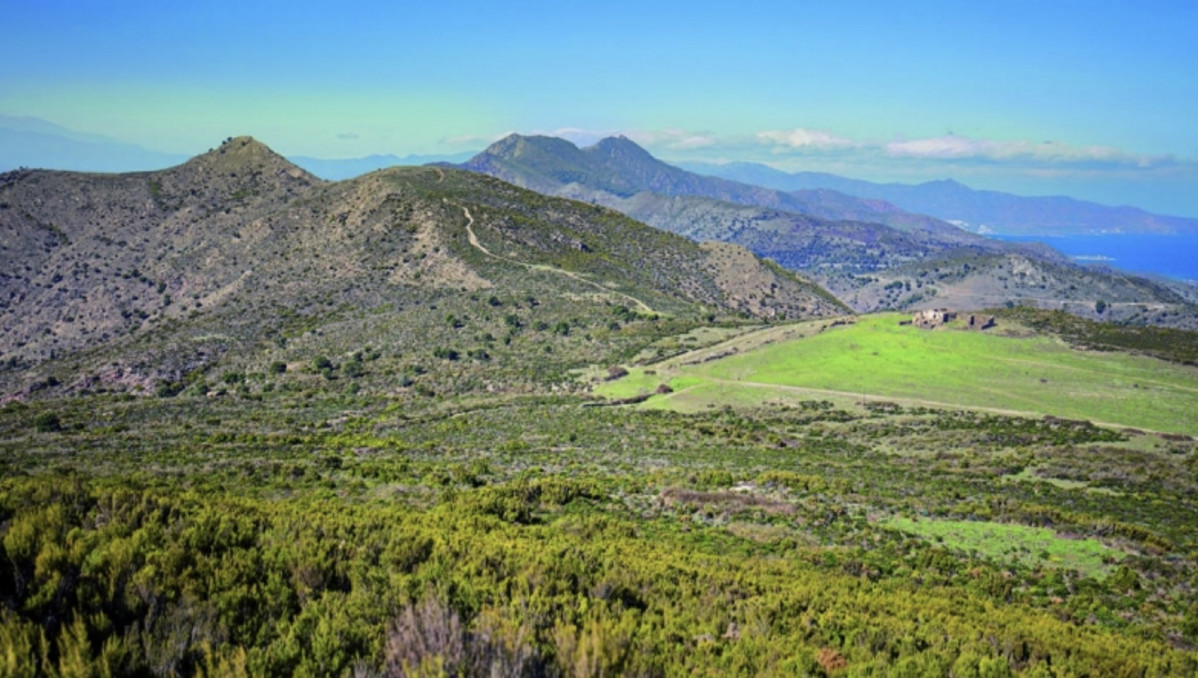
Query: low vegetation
(875, 357)
(532, 535)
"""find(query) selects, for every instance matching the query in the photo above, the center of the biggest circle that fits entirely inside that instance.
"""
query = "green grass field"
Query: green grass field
(1027, 545)
(877, 358)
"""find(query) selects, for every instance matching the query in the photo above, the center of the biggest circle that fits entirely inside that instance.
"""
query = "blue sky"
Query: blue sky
(1095, 99)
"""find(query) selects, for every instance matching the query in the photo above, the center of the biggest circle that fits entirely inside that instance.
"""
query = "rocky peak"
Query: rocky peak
(246, 154)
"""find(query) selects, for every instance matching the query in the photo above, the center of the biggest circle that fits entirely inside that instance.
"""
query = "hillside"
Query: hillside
(840, 496)
(1007, 370)
(239, 257)
(975, 209)
(829, 235)
(348, 168)
(967, 281)
(821, 248)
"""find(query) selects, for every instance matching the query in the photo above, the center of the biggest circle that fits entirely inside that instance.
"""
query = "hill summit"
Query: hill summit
(238, 257)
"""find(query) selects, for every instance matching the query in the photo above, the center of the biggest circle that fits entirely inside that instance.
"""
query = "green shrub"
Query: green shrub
(47, 422)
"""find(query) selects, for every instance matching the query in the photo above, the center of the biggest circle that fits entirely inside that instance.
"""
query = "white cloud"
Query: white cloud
(673, 139)
(954, 147)
(801, 146)
(805, 139)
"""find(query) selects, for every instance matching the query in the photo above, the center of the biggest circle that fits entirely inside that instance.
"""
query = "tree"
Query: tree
(1099, 306)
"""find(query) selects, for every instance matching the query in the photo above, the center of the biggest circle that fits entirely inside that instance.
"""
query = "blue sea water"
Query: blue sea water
(1174, 256)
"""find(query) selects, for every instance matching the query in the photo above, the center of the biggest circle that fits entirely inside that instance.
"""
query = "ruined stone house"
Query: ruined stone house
(979, 321)
(932, 318)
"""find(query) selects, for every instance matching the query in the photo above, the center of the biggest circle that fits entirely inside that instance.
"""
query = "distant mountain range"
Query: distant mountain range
(618, 167)
(814, 231)
(976, 210)
(31, 142)
(869, 252)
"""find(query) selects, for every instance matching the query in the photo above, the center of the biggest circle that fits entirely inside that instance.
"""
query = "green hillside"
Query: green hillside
(877, 358)
(257, 424)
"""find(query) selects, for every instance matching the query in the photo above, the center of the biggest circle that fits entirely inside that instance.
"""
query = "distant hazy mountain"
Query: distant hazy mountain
(823, 233)
(30, 142)
(618, 167)
(977, 210)
(349, 168)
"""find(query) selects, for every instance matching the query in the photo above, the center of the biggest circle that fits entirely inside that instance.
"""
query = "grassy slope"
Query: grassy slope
(877, 357)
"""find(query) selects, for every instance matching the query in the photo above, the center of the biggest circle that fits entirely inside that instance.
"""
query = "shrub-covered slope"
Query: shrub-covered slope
(237, 255)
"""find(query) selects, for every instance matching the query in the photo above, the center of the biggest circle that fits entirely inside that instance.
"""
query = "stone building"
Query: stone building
(979, 321)
(932, 318)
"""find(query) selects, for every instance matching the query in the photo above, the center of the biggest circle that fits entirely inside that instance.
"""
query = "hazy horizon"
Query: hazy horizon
(1068, 99)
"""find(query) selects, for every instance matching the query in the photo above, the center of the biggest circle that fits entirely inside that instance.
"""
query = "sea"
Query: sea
(1173, 256)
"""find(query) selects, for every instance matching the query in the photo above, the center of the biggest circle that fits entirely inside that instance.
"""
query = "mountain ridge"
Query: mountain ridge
(622, 168)
(979, 208)
(240, 257)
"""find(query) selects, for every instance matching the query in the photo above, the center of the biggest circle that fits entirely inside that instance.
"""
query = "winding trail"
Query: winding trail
(540, 267)
(878, 397)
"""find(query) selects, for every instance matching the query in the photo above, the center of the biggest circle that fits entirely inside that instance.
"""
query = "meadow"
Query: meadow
(1003, 370)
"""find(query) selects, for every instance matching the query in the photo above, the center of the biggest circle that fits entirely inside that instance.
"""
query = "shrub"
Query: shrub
(616, 372)
(47, 422)
(446, 353)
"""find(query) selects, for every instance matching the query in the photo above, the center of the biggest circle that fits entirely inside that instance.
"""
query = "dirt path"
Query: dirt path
(900, 400)
(539, 267)
(753, 339)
